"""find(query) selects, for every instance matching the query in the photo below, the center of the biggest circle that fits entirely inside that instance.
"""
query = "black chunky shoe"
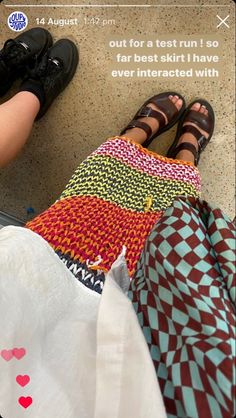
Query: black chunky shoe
(52, 74)
(20, 53)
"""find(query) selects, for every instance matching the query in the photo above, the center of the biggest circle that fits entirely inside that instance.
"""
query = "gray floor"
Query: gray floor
(95, 107)
(6, 220)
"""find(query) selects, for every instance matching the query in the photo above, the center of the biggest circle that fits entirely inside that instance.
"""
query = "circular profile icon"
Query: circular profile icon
(17, 21)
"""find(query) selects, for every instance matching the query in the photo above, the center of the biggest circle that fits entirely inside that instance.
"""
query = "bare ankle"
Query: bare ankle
(136, 135)
(185, 155)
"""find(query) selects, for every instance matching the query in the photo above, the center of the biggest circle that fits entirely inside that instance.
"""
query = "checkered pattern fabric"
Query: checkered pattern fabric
(184, 294)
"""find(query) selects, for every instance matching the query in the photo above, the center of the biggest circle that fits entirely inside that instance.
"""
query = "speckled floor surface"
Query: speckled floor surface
(95, 107)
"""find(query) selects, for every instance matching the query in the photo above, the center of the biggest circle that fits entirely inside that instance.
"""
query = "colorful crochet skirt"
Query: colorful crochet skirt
(114, 198)
(184, 294)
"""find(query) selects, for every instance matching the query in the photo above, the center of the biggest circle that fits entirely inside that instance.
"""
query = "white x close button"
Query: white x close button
(222, 21)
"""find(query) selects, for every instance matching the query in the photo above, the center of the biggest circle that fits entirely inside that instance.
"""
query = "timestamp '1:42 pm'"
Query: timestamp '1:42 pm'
(99, 22)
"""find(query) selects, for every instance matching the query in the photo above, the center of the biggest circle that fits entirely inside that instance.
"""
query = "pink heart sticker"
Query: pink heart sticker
(23, 380)
(25, 401)
(7, 354)
(19, 353)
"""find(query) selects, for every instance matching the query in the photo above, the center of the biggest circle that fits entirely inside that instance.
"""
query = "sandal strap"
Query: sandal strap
(138, 124)
(151, 113)
(166, 106)
(204, 122)
(201, 121)
(201, 139)
(146, 111)
(167, 115)
(186, 146)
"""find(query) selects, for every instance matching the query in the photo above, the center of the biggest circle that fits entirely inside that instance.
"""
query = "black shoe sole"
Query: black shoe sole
(20, 74)
(71, 74)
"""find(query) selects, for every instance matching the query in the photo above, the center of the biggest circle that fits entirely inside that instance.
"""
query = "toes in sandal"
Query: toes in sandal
(166, 106)
(204, 122)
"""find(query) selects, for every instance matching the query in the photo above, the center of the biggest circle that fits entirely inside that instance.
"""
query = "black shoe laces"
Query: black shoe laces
(47, 70)
(13, 52)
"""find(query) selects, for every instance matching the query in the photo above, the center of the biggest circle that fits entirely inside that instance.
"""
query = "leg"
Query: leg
(188, 137)
(50, 73)
(16, 119)
(139, 135)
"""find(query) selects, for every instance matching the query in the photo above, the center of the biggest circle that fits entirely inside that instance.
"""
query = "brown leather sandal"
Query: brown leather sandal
(205, 122)
(163, 102)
